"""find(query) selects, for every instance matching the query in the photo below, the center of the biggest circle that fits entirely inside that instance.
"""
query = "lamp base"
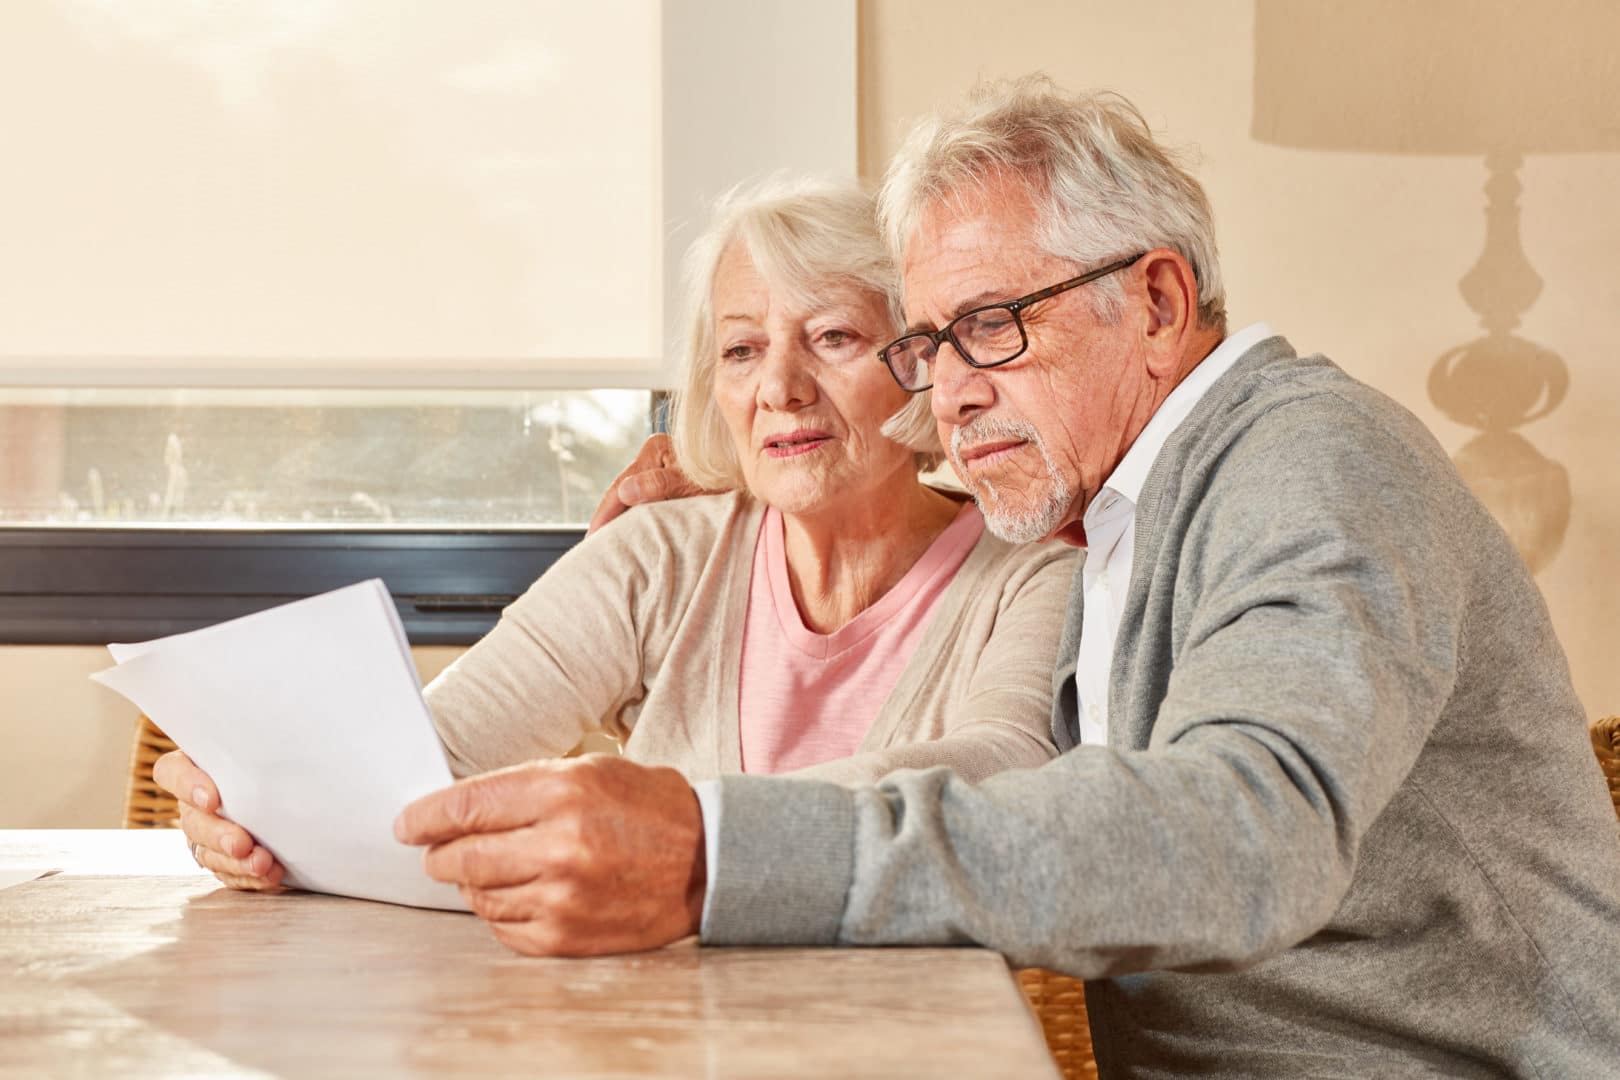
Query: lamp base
(1526, 491)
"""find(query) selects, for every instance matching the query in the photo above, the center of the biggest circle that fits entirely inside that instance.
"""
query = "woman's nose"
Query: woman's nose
(785, 380)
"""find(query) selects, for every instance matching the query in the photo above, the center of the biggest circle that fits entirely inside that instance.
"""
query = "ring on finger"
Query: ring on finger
(196, 853)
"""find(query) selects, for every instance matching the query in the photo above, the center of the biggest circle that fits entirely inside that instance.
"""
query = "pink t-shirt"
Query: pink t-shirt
(805, 697)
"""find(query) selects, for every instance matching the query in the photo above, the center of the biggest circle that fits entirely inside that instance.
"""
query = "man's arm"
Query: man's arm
(1319, 653)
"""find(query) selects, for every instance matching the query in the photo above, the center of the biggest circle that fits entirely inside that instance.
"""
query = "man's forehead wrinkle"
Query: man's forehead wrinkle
(962, 262)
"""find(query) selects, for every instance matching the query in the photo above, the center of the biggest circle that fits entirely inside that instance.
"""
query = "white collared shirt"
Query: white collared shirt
(1110, 524)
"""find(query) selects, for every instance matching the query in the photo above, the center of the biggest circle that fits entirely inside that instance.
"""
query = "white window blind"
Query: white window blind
(307, 193)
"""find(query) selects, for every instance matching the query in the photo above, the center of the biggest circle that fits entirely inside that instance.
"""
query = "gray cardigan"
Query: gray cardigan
(1347, 821)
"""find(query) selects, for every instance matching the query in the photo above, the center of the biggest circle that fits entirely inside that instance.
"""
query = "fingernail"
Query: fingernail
(199, 798)
(399, 829)
(629, 490)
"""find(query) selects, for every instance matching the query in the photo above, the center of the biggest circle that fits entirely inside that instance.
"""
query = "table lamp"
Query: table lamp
(1492, 79)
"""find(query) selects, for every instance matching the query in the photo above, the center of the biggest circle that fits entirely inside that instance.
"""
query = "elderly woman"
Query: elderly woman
(828, 614)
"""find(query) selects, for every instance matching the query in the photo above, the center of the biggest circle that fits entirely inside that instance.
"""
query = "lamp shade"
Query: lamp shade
(1397, 77)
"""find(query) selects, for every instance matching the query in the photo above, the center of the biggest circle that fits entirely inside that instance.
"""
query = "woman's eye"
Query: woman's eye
(738, 352)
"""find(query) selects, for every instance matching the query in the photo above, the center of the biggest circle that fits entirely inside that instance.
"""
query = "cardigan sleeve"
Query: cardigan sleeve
(568, 656)
(1314, 656)
(1003, 721)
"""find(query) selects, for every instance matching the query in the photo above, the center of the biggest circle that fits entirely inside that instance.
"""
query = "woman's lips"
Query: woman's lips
(794, 443)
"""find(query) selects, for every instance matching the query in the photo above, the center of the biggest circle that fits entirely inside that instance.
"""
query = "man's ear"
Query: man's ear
(1172, 295)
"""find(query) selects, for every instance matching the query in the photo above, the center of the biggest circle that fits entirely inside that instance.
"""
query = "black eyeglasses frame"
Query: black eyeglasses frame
(1014, 307)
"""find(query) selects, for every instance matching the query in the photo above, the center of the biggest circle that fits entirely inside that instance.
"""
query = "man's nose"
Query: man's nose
(961, 391)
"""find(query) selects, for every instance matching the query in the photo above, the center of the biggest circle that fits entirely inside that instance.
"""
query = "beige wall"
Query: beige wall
(1358, 252)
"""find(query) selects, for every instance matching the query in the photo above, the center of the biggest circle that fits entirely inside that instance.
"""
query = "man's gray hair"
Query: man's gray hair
(1103, 187)
(800, 235)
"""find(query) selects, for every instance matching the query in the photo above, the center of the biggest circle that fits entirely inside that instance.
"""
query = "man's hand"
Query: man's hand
(652, 477)
(569, 858)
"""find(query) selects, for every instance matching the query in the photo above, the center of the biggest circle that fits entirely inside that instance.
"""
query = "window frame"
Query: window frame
(91, 586)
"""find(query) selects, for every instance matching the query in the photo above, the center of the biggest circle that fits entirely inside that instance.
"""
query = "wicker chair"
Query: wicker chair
(1058, 1001)
(148, 806)
(1606, 744)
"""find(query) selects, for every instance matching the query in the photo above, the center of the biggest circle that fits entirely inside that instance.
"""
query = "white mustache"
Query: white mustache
(983, 429)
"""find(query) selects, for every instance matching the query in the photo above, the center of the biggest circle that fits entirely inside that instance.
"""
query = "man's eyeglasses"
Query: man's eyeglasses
(985, 337)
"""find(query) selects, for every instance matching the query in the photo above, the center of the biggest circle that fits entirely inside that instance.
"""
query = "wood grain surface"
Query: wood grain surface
(115, 974)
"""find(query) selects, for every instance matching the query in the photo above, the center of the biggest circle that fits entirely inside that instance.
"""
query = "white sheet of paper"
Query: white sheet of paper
(310, 719)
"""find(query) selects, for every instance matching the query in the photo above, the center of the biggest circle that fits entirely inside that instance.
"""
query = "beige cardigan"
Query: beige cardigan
(637, 632)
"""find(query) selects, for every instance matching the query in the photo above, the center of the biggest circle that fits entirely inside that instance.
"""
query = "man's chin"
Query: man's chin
(1026, 528)
(1016, 510)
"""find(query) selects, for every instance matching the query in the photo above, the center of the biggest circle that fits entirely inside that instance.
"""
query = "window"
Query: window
(400, 459)
(291, 294)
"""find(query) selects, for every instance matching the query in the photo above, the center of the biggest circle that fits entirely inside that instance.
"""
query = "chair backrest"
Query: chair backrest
(147, 806)
(1059, 1003)
(1606, 744)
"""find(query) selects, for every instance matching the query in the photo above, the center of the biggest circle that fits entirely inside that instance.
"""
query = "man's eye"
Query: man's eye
(837, 339)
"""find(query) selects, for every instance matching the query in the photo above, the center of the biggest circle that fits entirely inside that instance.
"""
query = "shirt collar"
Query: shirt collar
(1131, 473)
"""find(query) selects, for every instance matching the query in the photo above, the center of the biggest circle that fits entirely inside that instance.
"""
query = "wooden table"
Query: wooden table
(128, 962)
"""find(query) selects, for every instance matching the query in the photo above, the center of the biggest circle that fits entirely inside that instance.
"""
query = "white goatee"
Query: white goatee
(1044, 509)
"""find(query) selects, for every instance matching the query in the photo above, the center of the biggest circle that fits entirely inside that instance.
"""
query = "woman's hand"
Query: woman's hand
(652, 477)
(220, 846)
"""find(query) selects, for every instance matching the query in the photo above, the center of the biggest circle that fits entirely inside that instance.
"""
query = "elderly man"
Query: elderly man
(1327, 805)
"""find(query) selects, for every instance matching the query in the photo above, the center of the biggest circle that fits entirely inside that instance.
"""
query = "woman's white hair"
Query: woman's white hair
(801, 235)
(1102, 186)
